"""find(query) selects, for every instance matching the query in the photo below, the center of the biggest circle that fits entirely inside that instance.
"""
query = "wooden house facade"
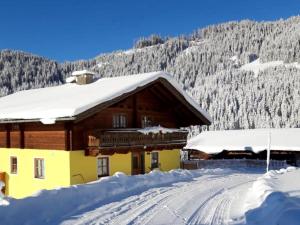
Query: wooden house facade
(135, 129)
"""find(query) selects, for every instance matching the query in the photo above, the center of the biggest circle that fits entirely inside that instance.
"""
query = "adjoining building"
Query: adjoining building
(249, 144)
(86, 129)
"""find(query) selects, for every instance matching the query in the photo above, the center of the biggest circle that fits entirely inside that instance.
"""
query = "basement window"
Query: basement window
(39, 168)
(13, 165)
(102, 167)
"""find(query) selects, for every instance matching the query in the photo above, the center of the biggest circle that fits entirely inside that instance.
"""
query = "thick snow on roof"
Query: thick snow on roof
(81, 72)
(71, 99)
(213, 142)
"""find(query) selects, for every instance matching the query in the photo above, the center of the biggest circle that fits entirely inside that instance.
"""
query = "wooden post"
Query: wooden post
(134, 111)
(21, 130)
(68, 136)
(7, 127)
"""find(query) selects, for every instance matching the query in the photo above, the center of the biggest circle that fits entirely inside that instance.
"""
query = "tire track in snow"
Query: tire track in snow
(174, 195)
(116, 207)
(206, 200)
(215, 209)
(141, 214)
(107, 214)
(212, 209)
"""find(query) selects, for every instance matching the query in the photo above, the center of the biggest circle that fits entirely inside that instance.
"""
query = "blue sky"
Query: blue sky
(71, 30)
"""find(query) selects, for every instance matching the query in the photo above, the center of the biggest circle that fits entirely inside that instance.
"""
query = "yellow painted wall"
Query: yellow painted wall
(120, 163)
(23, 183)
(168, 160)
(83, 168)
(64, 168)
(147, 162)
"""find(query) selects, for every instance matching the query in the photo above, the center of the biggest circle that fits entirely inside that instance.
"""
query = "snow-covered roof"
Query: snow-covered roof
(70, 79)
(71, 99)
(256, 140)
(82, 72)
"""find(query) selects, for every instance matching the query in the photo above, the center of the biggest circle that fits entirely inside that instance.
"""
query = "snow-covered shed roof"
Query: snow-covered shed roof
(82, 72)
(256, 140)
(68, 100)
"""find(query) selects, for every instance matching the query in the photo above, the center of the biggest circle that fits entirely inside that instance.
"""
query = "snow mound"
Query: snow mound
(264, 202)
(256, 66)
(55, 205)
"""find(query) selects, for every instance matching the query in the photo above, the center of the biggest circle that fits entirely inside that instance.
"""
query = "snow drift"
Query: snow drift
(266, 204)
(56, 205)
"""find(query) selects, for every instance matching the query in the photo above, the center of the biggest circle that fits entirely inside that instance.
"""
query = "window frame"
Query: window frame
(107, 166)
(119, 120)
(12, 167)
(157, 159)
(146, 121)
(37, 171)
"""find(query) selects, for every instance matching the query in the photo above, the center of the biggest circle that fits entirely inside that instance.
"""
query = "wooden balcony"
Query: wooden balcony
(124, 140)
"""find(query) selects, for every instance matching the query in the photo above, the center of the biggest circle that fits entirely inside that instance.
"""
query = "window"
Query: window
(119, 121)
(13, 165)
(146, 121)
(102, 167)
(39, 168)
(154, 160)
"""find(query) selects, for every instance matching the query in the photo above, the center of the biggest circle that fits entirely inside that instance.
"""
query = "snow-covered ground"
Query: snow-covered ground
(205, 196)
(274, 199)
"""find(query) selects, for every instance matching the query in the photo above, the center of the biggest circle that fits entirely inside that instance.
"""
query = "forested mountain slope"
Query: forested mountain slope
(212, 64)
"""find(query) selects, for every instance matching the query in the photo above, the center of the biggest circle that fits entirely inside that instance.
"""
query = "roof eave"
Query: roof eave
(34, 120)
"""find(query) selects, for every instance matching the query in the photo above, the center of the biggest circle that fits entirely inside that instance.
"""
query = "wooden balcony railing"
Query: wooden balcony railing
(130, 139)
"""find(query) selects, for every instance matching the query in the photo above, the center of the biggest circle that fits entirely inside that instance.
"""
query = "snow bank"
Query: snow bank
(55, 205)
(266, 204)
(256, 66)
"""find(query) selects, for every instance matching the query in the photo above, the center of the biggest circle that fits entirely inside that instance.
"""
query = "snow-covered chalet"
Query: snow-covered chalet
(86, 129)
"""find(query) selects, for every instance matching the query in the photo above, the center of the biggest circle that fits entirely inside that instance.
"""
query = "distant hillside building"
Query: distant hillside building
(85, 129)
(252, 144)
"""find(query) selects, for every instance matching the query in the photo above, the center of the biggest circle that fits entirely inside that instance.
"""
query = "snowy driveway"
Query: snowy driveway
(208, 199)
